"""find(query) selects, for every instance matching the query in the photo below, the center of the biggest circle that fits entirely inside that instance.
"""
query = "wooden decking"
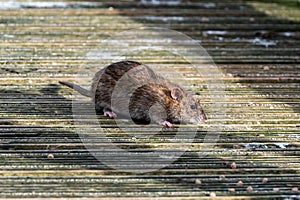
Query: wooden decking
(42, 155)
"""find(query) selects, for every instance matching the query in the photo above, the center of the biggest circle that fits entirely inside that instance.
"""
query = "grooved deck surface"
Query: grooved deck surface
(43, 156)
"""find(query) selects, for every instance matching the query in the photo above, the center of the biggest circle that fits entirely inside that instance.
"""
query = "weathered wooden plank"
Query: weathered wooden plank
(42, 44)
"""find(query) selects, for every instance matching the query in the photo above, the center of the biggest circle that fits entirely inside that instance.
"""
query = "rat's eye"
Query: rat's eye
(193, 107)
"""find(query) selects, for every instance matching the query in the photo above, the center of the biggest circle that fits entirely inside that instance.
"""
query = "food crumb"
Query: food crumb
(249, 188)
(212, 194)
(50, 156)
(266, 68)
(198, 182)
(222, 176)
(265, 180)
(239, 184)
(233, 165)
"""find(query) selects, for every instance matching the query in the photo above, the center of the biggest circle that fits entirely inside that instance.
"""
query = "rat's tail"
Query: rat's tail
(79, 89)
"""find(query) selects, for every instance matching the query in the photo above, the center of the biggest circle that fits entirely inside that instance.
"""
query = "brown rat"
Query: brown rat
(131, 89)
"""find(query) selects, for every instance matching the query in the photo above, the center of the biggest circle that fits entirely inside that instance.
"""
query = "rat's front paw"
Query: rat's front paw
(166, 124)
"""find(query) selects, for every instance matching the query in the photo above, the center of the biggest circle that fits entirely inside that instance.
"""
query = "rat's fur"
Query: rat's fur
(137, 91)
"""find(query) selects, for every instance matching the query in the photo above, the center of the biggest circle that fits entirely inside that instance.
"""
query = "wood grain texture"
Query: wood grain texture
(42, 156)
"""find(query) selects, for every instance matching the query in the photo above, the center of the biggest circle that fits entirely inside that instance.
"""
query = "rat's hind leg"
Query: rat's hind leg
(109, 113)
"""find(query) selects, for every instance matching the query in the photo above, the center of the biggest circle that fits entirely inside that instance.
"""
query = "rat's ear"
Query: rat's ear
(176, 94)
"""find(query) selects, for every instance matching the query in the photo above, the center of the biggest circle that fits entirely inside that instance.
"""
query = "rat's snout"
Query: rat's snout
(200, 119)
